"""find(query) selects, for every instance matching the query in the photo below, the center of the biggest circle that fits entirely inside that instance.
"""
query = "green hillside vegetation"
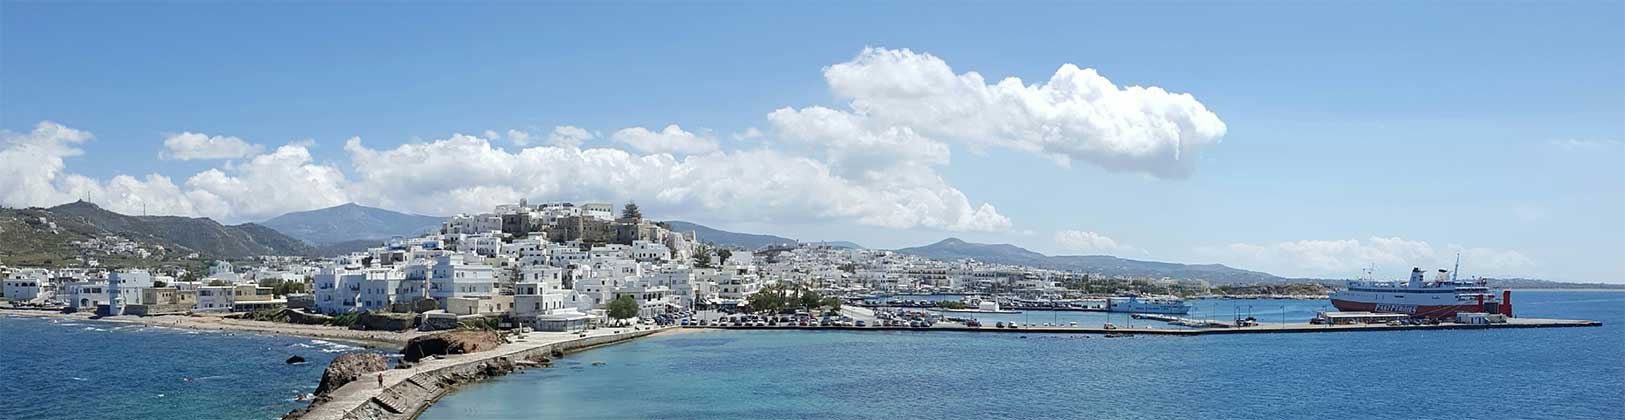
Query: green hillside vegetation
(28, 238)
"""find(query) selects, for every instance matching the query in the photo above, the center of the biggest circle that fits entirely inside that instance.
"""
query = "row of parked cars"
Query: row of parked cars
(803, 320)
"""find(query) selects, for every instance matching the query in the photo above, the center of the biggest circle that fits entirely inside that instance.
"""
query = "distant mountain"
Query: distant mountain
(79, 220)
(726, 238)
(954, 249)
(351, 222)
(743, 240)
(344, 248)
(1523, 283)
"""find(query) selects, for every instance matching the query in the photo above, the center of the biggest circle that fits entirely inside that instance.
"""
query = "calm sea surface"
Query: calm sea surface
(1561, 373)
(59, 369)
(53, 369)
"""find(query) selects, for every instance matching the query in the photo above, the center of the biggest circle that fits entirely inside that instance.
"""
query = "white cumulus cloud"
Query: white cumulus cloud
(854, 144)
(465, 174)
(672, 139)
(1076, 115)
(194, 146)
(569, 136)
(1092, 243)
(872, 161)
(1347, 257)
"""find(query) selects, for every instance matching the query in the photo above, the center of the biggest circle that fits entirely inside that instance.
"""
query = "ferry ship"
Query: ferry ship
(1156, 305)
(1441, 298)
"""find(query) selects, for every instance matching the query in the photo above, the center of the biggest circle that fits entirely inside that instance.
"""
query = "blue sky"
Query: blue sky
(1387, 133)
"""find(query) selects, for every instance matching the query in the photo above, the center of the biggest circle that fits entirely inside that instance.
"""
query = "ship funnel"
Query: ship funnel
(1506, 302)
(1416, 277)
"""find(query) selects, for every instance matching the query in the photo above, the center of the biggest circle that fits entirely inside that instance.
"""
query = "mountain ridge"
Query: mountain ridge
(955, 248)
(351, 222)
(195, 234)
(743, 240)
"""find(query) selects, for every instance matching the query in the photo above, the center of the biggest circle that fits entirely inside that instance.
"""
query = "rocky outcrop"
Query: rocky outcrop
(402, 399)
(299, 317)
(349, 367)
(450, 342)
(382, 321)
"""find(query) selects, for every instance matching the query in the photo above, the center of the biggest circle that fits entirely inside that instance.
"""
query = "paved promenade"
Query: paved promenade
(407, 392)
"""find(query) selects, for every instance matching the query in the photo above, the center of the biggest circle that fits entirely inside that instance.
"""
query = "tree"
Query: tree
(724, 254)
(702, 257)
(770, 299)
(811, 299)
(159, 283)
(833, 303)
(630, 211)
(623, 307)
(218, 282)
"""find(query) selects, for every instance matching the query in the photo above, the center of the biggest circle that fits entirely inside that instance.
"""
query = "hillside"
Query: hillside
(351, 222)
(726, 238)
(342, 248)
(28, 235)
(954, 248)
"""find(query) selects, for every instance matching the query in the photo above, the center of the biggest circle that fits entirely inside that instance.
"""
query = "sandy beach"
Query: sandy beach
(373, 339)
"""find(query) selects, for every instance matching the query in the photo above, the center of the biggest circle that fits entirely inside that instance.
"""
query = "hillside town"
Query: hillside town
(549, 267)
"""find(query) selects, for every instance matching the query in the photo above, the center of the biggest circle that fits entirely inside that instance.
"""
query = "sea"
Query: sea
(1557, 373)
(54, 369)
(78, 369)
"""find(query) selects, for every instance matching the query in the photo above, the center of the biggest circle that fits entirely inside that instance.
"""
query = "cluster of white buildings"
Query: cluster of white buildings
(548, 266)
(141, 292)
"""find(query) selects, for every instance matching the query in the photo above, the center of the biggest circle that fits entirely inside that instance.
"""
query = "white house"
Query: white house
(25, 283)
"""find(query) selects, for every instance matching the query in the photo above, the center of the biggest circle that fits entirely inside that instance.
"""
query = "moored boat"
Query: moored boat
(1441, 298)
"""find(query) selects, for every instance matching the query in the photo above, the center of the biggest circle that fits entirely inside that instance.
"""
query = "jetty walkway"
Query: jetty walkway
(407, 392)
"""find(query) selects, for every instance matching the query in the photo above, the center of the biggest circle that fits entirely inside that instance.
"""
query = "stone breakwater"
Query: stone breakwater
(407, 392)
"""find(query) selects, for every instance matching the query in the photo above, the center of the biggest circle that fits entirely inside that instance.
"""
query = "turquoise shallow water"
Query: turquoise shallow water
(1562, 373)
(55, 369)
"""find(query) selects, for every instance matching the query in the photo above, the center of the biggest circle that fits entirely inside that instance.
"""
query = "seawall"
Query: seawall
(407, 392)
(1261, 329)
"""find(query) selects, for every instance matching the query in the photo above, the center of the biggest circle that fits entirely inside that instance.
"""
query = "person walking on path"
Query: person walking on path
(380, 380)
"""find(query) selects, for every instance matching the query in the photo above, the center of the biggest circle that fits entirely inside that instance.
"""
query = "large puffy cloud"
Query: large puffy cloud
(1076, 115)
(853, 144)
(1347, 257)
(32, 165)
(33, 168)
(672, 139)
(1092, 243)
(874, 161)
(465, 173)
(192, 146)
(268, 185)
(468, 174)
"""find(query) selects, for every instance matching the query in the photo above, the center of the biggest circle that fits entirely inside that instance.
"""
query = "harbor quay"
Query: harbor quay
(1261, 329)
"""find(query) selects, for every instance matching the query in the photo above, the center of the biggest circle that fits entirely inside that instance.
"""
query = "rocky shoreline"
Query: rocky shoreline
(404, 392)
(373, 339)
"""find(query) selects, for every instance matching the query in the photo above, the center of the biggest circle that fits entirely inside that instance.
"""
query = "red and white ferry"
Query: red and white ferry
(1441, 298)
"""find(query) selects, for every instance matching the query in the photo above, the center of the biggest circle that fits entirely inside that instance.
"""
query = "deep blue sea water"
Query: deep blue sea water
(60, 369)
(1559, 373)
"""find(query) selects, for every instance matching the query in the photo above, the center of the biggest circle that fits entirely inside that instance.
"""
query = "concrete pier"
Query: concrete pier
(407, 392)
(1260, 329)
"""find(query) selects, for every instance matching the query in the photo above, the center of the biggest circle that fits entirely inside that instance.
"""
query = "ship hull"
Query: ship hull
(1428, 311)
